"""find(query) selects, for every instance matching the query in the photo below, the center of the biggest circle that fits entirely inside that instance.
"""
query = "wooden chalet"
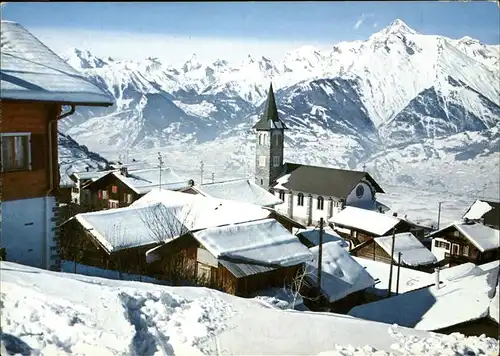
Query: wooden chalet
(343, 280)
(414, 254)
(118, 239)
(120, 188)
(38, 89)
(361, 225)
(239, 259)
(466, 241)
(484, 211)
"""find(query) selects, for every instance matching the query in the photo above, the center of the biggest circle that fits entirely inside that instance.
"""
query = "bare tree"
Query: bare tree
(302, 287)
(166, 223)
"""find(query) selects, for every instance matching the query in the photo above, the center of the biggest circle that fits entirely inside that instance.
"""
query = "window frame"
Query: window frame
(262, 161)
(300, 199)
(282, 195)
(28, 151)
(276, 161)
(114, 189)
(320, 203)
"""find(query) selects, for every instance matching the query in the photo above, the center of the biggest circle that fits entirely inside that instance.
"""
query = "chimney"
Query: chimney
(436, 277)
(191, 183)
(124, 171)
(87, 169)
(395, 214)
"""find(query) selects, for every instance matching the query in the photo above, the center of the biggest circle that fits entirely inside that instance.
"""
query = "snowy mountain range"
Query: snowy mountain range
(399, 101)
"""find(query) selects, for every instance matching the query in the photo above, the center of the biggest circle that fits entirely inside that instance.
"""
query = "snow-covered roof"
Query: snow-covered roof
(118, 229)
(329, 235)
(92, 175)
(264, 242)
(489, 266)
(465, 299)
(31, 71)
(483, 237)
(413, 252)
(477, 210)
(166, 213)
(409, 279)
(366, 220)
(199, 212)
(241, 190)
(143, 180)
(341, 275)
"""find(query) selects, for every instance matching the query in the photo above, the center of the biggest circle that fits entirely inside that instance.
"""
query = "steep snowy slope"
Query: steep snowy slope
(76, 158)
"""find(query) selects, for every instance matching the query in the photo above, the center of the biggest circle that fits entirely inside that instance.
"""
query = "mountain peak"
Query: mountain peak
(82, 59)
(398, 26)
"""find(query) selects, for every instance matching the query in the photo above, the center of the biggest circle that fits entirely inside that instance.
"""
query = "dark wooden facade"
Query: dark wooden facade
(462, 250)
(110, 192)
(33, 118)
(372, 251)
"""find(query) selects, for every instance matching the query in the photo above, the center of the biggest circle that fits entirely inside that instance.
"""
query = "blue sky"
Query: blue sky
(275, 26)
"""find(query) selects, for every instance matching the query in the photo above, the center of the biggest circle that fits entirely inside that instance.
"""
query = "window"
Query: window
(74, 190)
(441, 244)
(278, 139)
(99, 194)
(114, 189)
(300, 199)
(129, 198)
(276, 161)
(105, 194)
(16, 152)
(262, 161)
(465, 250)
(455, 248)
(113, 204)
(282, 195)
(320, 203)
(204, 272)
(260, 139)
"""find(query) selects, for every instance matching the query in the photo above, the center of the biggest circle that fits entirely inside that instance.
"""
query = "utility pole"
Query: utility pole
(320, 253)
(364, 167)
(439, 214)
(201, 172)
(399, 268)
(160, 159)
(392, 263)
(213, 177)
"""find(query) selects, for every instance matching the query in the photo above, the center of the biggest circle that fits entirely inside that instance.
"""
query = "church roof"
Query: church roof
(270, 119)
(324, 181)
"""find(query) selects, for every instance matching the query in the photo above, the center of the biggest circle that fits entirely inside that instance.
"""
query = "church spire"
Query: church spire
(270, 119)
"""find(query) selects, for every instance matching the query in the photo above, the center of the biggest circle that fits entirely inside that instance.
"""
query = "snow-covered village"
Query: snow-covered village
(250, 178)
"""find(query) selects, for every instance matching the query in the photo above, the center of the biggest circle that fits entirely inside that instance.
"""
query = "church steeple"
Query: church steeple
(270, 131)
(270, 118)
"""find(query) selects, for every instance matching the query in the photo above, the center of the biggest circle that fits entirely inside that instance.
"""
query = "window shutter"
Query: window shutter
(38, 151)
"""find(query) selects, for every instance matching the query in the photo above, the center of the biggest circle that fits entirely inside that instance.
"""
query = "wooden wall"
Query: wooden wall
(32, 117)
(106, 183)
(276, 278)
(372, 251)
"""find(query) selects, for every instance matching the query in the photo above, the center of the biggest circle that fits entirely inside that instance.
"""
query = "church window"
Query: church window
(300, 199)
(260, 139)
(276, 161)
(320, 203)
(282, 195)
(262, 161)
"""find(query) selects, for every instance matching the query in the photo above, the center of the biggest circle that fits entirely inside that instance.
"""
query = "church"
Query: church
(308, 192)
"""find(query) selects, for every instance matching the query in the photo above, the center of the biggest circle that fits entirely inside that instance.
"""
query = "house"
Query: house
(413, 253)
(361, 225)
(308, 192)
(240, 259)
(159, 216)
(243, 190)
(462, 305)
(35, 85)
(466, 241)
(122, 187)
(79, 195)
(484, 211)
(343, 280)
